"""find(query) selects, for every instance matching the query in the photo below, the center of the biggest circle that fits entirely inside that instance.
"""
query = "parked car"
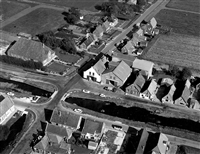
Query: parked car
(117, 127)
(113, 89)
(78, 110)
(86, 91)
(102, 95)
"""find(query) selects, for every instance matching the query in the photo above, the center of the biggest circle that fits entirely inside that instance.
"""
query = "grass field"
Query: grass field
(9, 9)
(180, 22)
(68, 58)
(38, 21)
(188, 5)
(82, 4)
(57, 67)
(177, 50)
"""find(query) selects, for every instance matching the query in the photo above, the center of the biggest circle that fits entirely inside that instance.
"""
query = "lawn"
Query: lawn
(57, 67)
(38, 21)
(9, 9)
(82, 4)
(68, 58)
(178, 50)
(180, 22)
(188, 5)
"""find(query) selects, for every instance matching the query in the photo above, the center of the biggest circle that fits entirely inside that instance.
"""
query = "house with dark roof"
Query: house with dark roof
(150, 90)
(183, 99)
(41, 146)
(128, 48)
(87, 42)
(92, 129)
(65, 119)
(98, 32)
(106, 26)
(169, 97)
(136, 87)
(116, 75)
(94, 73)
(151, 143)
(31, 50)
(7, 108)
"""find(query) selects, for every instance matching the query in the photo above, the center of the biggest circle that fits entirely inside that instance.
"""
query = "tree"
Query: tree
(186, 73)
(174, 71)
(4, 132)
(141, 2)
(75, 11)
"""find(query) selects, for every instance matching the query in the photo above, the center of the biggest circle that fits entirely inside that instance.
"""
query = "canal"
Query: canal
(134, 114)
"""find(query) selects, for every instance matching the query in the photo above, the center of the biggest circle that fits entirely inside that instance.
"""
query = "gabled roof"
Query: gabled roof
(30, 49)
(105, 25)
(65, 118)
(5, 103)
(142, 141)
(142, 65)
(147, 28)
(54, 138)
(185, 94)
(99, 67)
(57, 130)
(129, 47)
(98, 31)
(152, 86)
(89, 40)
(140, 81)
(42, 144)
(122, 71)
(153, 22)
(92, 127)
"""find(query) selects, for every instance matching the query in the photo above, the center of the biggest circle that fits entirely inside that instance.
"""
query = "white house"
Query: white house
(7, 108)
(146, 67)
(94, 73)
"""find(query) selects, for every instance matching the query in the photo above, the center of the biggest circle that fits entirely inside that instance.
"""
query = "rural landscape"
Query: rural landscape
(100, 76)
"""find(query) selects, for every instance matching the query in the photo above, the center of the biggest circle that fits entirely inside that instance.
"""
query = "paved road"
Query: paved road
(110, 45)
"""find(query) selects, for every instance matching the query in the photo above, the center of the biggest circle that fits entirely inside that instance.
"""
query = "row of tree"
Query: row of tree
(72, 16)
(19, 62)
(183, 74)
(50, 40)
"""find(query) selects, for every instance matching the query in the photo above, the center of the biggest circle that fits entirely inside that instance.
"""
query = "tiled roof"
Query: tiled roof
(92, 126)
(54, 138)
(108, 70)
(57, 130)
(42, 144)
(122, 71)
(152, 86)
(140, 81)
(143, 64)
(142, 141)
(129, 47)
(30, 49)
(5, 103)
(99, 67)
(148, 29)
(65, 118)
(185, 93)
(153, 22)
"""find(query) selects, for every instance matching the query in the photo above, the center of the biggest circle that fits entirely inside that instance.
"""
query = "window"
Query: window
(110, 77)
(89, 73)
(93, 74)
(113, 78)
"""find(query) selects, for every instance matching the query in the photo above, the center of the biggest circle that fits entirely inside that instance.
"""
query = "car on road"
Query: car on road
(113, 89)
(86, 91)
(78, 110)
(102, 95)
(117, 127)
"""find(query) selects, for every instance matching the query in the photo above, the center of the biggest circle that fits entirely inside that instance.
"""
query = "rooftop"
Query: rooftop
(142, 64)
(30, 49)
(92, 127)
(5, 103)
(99, 67)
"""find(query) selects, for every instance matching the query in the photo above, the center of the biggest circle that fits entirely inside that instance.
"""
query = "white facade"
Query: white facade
(8, 113)
(91, 74)
(50, 57)
(114, 23)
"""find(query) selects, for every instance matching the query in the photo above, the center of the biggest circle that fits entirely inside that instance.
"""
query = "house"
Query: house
(65, 119)
(150, 91)
(147, 29)
(98, 32)
(114, 22)
(87, 41)
(94, 73)
(133, 2)
(184, 95)
(167, 81)
(169, 97)
(116, 75)
(128, 48)
(7, 108)
(146, 67)
(41, 146)
(194, 104)
(153, 22)
(31, 50)
(92, 129)
(92, 145)
(106, 26)
(136, 86)
(151, 143)
(4, 45)
(137, 38)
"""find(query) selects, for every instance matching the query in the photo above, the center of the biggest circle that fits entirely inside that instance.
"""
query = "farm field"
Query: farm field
(9, 9)
(38, 21)
(81, 4)
(176, 50)
(187, 5)
(180, 22)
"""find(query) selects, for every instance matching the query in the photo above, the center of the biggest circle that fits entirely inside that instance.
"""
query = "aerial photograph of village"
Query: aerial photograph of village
(99, 76)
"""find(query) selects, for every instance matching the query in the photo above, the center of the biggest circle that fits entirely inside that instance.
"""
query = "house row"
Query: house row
(116, 73)
(27, 49)
(139, 37)
(60, 130)
(98, 32)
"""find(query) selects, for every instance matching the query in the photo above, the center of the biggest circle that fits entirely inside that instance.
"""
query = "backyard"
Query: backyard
(177, 50)
(180, 22)
(9, 9)
(68, 58)
(187, 5)
(36, 22)
(83, 4)
(57, 67)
